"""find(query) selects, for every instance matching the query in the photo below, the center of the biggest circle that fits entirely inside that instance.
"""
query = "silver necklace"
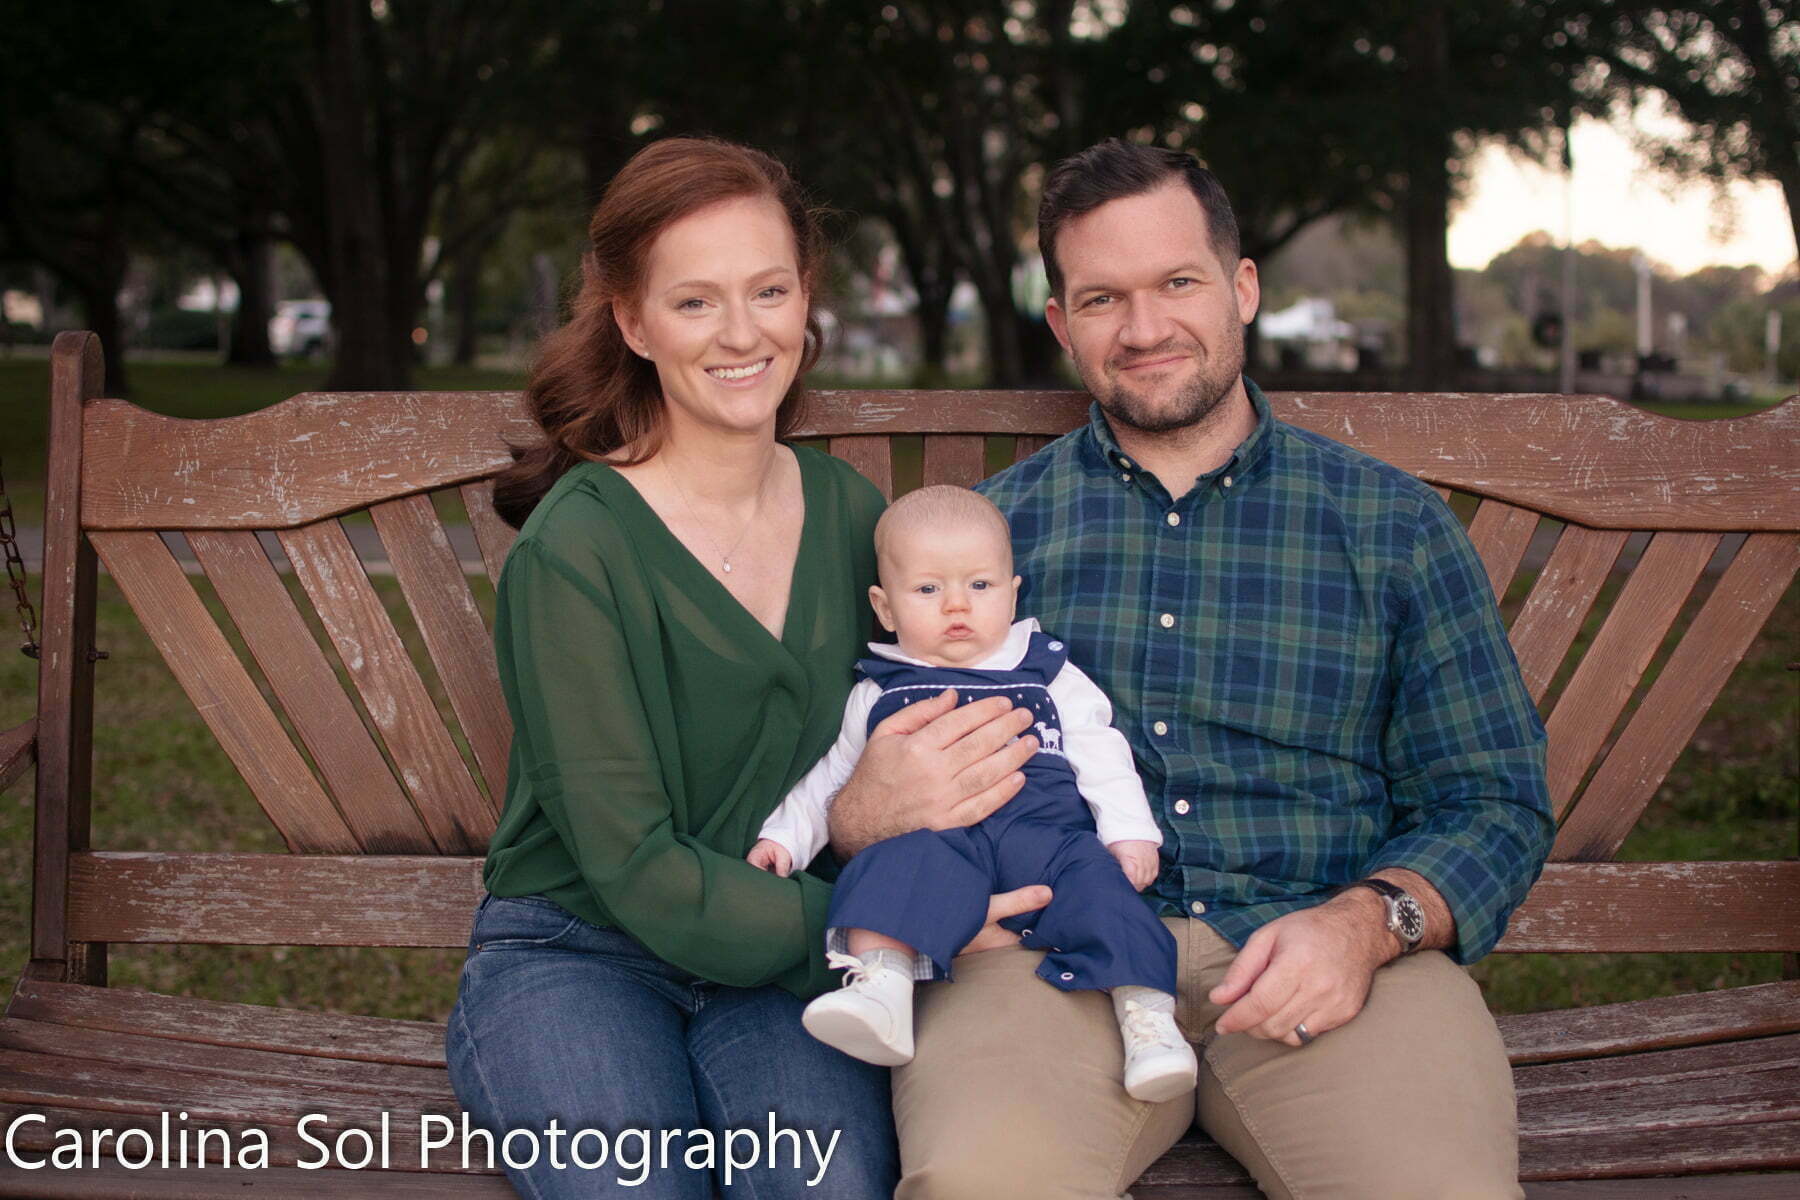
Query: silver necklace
(724, 555)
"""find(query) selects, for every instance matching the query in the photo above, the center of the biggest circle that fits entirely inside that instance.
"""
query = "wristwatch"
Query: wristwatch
(1405, 919)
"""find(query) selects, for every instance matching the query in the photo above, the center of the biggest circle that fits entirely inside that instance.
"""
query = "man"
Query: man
(1303, 650)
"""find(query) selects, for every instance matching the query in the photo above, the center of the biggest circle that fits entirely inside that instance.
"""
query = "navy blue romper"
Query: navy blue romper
(930, 888)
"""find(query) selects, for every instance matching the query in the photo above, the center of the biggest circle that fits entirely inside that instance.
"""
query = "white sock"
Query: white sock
(898, 960)
(1145, 997)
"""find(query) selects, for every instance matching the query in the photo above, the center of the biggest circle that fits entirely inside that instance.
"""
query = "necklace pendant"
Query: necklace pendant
(728, 566)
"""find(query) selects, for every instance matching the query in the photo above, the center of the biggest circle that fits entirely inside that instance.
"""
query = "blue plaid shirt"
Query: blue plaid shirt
(1305, 656)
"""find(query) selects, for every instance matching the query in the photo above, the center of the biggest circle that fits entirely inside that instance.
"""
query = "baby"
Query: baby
(903, 908)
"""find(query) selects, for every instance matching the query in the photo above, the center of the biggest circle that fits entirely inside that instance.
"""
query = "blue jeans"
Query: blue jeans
(683, 1080)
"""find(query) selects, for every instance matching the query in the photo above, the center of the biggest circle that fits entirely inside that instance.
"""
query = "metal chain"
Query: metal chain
(15, 571)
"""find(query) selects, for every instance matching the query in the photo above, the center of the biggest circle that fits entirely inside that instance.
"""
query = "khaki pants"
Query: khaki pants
(1016, 1089)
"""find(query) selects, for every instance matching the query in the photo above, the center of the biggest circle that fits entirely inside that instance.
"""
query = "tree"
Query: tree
(1730, 68)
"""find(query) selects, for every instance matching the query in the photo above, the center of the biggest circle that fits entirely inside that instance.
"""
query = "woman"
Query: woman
(676, 627)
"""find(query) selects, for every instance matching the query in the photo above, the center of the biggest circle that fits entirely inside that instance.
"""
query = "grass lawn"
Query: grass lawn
(161, 782)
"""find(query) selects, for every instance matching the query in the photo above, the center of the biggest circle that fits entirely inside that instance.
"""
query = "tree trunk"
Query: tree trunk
(1006, 359)
(250, 267)
(465, 303)
(1776, 125)
(933, 315)
(99, 286)
(933, 278)
(1430, 287)
(100, 313)
(365, 356)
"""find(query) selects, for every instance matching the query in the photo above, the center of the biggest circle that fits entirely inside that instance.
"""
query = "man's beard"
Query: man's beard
(1190, 403)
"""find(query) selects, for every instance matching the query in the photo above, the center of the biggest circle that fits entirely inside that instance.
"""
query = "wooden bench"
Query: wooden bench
(385, 802)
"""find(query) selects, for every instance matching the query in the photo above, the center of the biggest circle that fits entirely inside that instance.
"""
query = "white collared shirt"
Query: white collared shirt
(1098, 754)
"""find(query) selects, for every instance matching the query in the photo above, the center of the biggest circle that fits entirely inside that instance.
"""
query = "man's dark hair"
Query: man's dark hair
(1113, 170)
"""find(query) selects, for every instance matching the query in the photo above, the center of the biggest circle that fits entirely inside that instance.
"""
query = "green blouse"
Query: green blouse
(656, 723)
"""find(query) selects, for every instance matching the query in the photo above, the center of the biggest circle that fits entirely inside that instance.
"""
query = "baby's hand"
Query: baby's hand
(773, 856)
(1139, 860)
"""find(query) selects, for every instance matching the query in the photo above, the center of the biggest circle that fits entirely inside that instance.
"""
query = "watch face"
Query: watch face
(1409, 918)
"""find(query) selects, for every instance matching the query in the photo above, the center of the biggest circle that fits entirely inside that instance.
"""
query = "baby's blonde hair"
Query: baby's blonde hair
(934, 508)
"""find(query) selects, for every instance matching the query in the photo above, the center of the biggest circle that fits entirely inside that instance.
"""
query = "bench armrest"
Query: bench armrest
(18, 750)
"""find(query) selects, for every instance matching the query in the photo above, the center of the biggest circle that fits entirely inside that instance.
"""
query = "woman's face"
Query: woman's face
(722, 316)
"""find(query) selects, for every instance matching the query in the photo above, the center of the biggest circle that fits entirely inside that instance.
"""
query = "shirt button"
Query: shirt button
(1167, 620)
(1067, 975)
(1226, 481)
(1024, 933)
(1183, 807)
(1197, 908)
(1173, 518)
(1125, 477)
(1124, 462)
(1161, 728)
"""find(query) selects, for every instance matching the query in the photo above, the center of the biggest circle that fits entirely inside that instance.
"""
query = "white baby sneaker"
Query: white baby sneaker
(1159, 1063)
(870, 1016)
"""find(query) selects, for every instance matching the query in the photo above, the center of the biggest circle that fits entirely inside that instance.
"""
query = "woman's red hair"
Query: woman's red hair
(593, 398)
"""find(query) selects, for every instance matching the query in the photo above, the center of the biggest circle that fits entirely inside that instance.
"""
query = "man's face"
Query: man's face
(1153, 320)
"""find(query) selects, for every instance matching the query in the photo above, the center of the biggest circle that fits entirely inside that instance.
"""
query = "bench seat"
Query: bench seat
(1698, 1083)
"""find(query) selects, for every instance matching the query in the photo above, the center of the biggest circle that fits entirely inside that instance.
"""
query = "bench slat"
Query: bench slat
(1609, 672)
(221, 689)
(1758, 1010)
(18, 751)
(1766, 1145)
(492, 535)
(1501, 533)
(1586, 459)
(1763, 1145)
(1658, 1066)
(1028, 444)
(1560, 601)
(240, 571)
(873, 456)
(215, 1023)
(115, 1182)
(68, 1041)
(1683, 1187)
(459, 817)
(206, 1096)
(954, 458)
(424, 900)
(1676, 702)
(455, 635)
(1742, 1097)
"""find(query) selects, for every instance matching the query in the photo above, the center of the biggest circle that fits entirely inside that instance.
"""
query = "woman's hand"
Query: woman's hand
(933, 766)
(771, 856)
(1007, 904)
(1138, 860)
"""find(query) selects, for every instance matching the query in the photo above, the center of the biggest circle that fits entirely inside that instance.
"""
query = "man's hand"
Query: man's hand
(771, 856)
(933, 766)
(1312, 966)
(1138, 859)
(1002, 905)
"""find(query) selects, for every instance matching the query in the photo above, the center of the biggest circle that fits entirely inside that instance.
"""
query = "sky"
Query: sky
(1620, 202)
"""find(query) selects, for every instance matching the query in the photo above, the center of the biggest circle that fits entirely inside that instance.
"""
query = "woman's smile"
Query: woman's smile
(741, 374)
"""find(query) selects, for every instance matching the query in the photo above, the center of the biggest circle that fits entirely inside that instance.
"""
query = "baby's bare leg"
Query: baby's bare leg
(864, 940)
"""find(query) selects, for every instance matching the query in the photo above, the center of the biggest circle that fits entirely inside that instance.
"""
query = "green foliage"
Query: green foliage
(1726, 66)
(1740, 329)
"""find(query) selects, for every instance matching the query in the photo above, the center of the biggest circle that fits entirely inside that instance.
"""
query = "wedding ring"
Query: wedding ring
(1300, 1032)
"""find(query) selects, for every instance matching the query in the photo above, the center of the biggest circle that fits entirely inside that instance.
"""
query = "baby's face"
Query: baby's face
(947, 594)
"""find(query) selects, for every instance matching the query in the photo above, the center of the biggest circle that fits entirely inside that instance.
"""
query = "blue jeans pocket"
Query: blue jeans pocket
(522, 923)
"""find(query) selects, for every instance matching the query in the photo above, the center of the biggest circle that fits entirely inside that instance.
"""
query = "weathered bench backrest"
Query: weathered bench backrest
(382, 795)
